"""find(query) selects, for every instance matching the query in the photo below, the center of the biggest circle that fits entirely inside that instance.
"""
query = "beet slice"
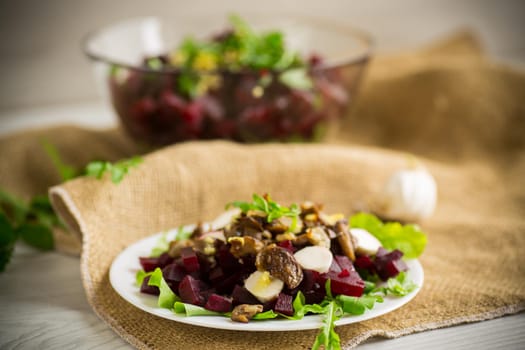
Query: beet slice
(344, 263)
(241, 295)
(149, 264)
(190, 291)
(310, 277)
(218, 303)
(351, 285)
(190, 260)
(389, 264)
(226, 260)
(227, 284)
(334, 267)
(173, 275)
(284, 305)
(365, 262)
(146, 289)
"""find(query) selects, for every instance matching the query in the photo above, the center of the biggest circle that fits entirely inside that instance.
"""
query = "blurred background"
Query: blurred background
(42, 64)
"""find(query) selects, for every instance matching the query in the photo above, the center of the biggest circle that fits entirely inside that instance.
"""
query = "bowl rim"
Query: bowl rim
(363, 37)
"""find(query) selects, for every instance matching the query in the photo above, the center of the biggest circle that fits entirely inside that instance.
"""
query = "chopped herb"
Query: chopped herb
(264, 204)
(117, 170)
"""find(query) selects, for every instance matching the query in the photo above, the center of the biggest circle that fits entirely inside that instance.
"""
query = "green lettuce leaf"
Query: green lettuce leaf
(398, 286)
(358, 306)
(166, 297)
(407, 238)
(193, 310)
(267, 315)
(327, 337)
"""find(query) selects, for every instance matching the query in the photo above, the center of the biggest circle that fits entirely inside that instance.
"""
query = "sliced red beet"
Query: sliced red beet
(173, 274)
(190, 260)
(226, 260)
(241, 295)
(165, 259)
(218, 303)
(145, 288)
(389, 264)
(365, 262)
(227, 284)
(283, 304)
(190, 291)
(344, 263)
(351, 285)
(149, 264)
(216, 274)
(310, 277)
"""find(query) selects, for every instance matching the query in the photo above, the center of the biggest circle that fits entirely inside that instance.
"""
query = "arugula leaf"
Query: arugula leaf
(117, 170)
(264, 204)
(398, 286)
(193, 310)
(15, 209)
(407, 238)
(358, 306)
(166, 297)
(67, 172)
(327, 337)
(140, 275)
(300, 309)
(267, 315)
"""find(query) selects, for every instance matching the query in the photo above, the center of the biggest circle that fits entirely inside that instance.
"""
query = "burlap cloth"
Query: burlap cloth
(462, 115)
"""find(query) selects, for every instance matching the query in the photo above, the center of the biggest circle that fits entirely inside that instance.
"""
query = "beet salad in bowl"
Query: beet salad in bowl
(248, 80)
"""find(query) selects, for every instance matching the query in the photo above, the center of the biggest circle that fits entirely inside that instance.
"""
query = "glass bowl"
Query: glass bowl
(153, 111)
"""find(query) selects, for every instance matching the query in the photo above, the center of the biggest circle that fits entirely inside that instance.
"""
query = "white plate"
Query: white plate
(126, 265)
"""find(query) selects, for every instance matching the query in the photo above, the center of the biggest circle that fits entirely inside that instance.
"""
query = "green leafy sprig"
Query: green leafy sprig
(407, 238)
(266, 205)
(117, 170)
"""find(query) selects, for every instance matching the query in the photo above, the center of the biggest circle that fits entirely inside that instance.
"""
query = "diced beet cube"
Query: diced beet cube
(227, 284)
(309, 279)
(226, 260)
(149, 264)
(344, 263)
(216, 274)
(241, 295)
(335, 247)
(364, 262)
(145, 288)
(205, 263)
(165, 259)
(190, 291)
(287, 245)
(351, 285)
(283, 304)
(218, 303)
(269, 305)
(315, 295)
(173, 275)
(190, 259)
(392, 269)
(389, 264)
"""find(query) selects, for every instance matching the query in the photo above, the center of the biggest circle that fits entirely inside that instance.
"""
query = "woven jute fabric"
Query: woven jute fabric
(461, 115)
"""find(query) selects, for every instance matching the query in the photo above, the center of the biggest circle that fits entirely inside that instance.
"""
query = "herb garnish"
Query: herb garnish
(266, 205)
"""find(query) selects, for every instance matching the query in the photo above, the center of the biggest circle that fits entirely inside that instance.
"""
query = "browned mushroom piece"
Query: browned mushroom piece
(276, 227)
(246, 226)
(245, 312)
(281, 264)
(345, 239)
(246, 245)
(318, 236)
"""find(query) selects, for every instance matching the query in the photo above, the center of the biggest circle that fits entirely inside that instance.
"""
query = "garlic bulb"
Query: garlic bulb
(410, 195)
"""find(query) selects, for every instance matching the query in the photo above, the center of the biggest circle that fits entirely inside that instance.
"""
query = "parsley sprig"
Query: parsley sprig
(33, 221)
(266, 205)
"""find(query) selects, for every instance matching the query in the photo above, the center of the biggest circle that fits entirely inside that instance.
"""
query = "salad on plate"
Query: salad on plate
(262, 260)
